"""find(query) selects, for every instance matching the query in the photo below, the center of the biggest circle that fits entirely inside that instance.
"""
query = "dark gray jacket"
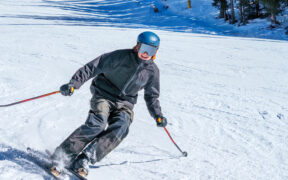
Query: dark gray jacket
(119, 75)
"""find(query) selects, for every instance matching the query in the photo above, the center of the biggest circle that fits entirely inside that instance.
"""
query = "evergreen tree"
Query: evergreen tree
(222, 5)
(244, 11)
(249, 9)
(273, 8)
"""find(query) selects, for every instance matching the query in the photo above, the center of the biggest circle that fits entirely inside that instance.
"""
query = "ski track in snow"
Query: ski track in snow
(225, 99)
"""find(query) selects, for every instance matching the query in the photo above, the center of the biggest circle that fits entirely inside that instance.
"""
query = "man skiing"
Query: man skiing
(118, 76)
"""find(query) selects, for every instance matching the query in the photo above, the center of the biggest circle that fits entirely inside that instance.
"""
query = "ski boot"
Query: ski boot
(55, 171)
(81, 166)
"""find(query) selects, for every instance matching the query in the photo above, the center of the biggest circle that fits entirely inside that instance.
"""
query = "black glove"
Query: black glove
(161, 121)
(67, 89)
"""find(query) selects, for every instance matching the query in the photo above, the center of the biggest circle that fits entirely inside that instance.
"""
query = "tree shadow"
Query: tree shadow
(122, 14)
(133, 14)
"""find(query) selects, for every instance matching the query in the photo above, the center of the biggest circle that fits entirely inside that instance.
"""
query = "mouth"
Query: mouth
(143, 56)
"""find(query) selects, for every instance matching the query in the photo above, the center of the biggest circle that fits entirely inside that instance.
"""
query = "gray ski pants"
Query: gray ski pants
(106, 126)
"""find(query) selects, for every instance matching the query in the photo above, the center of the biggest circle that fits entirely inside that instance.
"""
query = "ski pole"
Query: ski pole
(30, 99)
(184, 153)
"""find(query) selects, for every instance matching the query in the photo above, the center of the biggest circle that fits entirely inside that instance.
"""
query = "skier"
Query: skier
(118, 76)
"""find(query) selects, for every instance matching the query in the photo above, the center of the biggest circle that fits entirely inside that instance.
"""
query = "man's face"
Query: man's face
(145, 52)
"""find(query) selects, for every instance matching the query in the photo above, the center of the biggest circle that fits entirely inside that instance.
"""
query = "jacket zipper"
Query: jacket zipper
(130, 79)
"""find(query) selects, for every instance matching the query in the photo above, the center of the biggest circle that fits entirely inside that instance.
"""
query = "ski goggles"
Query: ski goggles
(150, 50)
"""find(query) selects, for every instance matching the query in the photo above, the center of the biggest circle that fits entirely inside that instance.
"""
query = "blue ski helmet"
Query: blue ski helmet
(149, 38)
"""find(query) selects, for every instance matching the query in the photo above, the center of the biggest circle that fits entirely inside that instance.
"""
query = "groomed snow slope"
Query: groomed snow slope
(225, 100)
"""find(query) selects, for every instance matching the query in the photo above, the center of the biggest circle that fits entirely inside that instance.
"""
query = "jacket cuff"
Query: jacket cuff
(75, 84)
(157, 116)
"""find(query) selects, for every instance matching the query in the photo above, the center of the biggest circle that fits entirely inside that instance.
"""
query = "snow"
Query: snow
(225, 98)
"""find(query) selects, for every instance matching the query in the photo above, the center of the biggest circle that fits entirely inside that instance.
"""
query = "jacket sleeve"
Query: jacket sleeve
(151, 95)
(87, 72)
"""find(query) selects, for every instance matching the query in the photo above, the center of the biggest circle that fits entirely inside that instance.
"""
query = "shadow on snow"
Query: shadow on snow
(131, 14)
(29, 165)
(126, 14)
(22, 159)
(134, 162)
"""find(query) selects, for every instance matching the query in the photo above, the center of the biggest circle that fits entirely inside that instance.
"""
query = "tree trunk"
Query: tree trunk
(241, 11)
(232, 20)
(222, 11)
(223, 8)
(257, 8)
(273, 18)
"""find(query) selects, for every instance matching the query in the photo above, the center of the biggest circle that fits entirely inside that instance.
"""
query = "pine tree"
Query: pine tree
(273, 8)
(244, 11)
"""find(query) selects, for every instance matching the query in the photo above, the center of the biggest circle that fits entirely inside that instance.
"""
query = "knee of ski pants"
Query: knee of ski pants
(123, 108)
(99, 113)
(117, 130)
(122, 121)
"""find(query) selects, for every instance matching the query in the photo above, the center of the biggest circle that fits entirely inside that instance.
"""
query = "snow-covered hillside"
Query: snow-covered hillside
(225, 99)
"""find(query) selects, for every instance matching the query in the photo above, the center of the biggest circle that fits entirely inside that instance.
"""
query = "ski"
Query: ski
(42, 160)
